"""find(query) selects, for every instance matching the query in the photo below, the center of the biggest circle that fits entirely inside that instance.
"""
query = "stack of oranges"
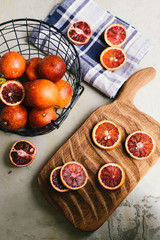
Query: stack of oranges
(34, 101)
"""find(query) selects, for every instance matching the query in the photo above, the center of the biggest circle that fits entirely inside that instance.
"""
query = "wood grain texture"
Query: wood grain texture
(88, 208)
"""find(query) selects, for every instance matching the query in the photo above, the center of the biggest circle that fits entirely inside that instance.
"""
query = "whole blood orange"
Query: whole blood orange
(115, 35)
(14, 117)
(55, 180)
(42, 93)
(40, 118)
(79, 32)
(26, 87)
(12, 93)
(73, 175)
(12, 65)
(111, 176)
(31, 71)
(106, 135)
(65, 94)
(22, 153)
(113, 58)
(52, 67)
(140, 145)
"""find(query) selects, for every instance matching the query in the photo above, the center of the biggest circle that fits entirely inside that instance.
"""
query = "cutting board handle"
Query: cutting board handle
(135, 82)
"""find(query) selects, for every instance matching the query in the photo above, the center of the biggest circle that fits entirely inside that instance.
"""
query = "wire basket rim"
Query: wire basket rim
(79, 88)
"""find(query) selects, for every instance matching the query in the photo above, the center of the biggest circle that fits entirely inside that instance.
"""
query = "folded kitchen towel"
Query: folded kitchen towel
(136, 46)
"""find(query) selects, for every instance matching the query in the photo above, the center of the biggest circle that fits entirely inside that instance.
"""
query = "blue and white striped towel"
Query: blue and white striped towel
(136, 46)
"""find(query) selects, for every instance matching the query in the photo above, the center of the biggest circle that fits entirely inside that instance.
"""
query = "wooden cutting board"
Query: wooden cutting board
(88, 208)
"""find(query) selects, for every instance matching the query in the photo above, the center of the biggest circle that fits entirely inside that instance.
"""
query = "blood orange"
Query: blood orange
(31, 71)
(12, 65)
(52, 67)
(14, 117)
(115, 35)
(111, 176)
(22, 153)
(41, 94)
(65, 93)
(140, 145)
(12, 93)
(106, 135)
(40, 118)
(79, 32)
(56, 180)
(113, 58)
(26, 86)
(73, 175)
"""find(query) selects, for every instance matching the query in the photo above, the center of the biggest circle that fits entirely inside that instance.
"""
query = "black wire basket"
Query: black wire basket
(34, 38)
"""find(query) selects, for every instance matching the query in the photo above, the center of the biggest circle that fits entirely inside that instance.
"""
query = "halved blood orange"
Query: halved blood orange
(106, 135)
(111, 176)
(79, 32)
(115, 35)
(140, 145)
(22, 153)
(113, 58)
(56, 180)
(74, 175)
(12, 93)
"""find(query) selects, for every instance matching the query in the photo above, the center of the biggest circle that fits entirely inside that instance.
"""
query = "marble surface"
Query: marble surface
(24, 213)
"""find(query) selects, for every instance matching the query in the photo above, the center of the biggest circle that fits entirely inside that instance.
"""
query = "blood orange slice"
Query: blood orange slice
(22, 153)
(113, 58)
(111, 176)
(140, 145)
(12, 93)
(115, 35)
(56, 180)
(79, 32)
(74, 175)
(106, 135)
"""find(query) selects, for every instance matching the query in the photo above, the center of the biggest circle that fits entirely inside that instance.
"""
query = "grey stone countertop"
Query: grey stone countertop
(24, 213)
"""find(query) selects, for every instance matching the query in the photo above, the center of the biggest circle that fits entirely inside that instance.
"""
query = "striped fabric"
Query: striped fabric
(136, 46)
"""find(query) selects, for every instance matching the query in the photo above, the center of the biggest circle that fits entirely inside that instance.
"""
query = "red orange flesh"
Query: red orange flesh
(22, 153)
(55, 180)
(115, 35)
(140, 145)
(79, 32)
(106, 135)
(113, 58)
(111, 176)
(73, 175)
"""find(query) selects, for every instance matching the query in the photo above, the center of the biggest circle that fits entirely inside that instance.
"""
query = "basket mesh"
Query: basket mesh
(34, 38)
